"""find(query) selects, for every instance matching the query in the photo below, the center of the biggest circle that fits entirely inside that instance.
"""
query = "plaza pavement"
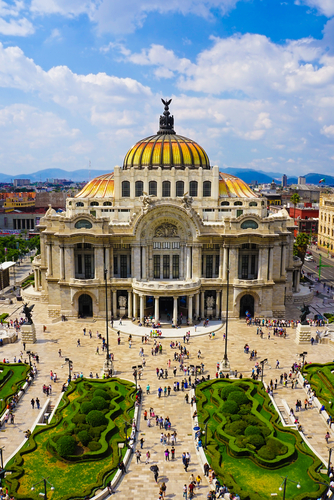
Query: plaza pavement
(138, 483)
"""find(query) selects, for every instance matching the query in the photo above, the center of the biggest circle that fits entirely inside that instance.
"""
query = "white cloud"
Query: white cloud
(14, 26)
(126, 16)
(325, 7)
(328, 130)
(55, 36)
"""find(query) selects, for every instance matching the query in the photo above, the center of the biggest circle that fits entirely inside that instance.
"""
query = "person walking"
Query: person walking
(327, 437)
(32, 402)
(37, 403)
(167, 454)
(148, 456)
(148, 389)
(156, 474)
(138, 455)
(141, 442)
(185, 491)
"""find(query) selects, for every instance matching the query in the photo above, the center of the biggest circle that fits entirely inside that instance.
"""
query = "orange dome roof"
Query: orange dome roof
(166, 151)
(100, 187)
(233, 187)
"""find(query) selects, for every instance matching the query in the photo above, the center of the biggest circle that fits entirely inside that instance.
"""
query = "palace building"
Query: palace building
(164, 235)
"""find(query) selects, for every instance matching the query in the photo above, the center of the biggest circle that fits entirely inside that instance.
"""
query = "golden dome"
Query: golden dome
(100, 187)
(233, 187)
(166, 149)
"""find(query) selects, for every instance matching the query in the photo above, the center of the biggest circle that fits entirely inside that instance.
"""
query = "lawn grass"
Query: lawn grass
(12, 378)
(244, 470)
(74, 477)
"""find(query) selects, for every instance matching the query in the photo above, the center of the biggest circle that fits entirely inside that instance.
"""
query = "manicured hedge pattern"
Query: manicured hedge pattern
(245, 437)
(321, 378)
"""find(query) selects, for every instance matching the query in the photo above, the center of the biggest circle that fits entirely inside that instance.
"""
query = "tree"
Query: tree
(300, 245)
(295, 198)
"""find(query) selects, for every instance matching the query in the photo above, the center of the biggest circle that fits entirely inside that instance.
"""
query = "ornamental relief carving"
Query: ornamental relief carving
(166, 230)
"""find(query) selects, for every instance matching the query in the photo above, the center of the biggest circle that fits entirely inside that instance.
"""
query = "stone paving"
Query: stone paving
(139, 482)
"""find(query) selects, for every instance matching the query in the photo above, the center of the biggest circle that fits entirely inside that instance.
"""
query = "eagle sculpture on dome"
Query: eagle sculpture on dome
(166, 121)
(166, 103)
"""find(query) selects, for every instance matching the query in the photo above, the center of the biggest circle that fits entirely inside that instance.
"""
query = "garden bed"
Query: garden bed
(79, 450)
(248, 448)
(12, 378)
(321, 378)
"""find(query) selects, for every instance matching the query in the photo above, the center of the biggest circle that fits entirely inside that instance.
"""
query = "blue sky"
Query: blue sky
(251, 80)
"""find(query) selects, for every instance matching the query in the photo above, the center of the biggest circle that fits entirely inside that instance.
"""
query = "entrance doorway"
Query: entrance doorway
(246, 305)
(85, 306)
(166, 308)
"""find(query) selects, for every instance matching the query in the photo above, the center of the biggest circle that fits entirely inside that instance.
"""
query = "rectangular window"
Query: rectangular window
(175, 244)
(156, 244)
(156, 266)
(253, 265)
(209, 266)
(115, 265)
(217, 266)
(88, 267)
(79, 263)
(244, 267)
(165, 268)
(176, 267)
(124, 268)
(14, 222)
(165, 244)
(239, 212)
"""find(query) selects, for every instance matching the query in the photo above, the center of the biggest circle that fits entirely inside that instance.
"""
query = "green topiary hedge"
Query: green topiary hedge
(84, 437)
(66, 446)
(99, 403)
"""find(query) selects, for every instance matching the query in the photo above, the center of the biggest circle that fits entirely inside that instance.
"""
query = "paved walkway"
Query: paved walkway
(64, 335)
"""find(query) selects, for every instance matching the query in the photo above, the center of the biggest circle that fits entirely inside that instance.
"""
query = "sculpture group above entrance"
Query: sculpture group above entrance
(166, 230)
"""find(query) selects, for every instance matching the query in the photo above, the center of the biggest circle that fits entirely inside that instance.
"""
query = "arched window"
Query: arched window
(83, 224)
(166, 189)
(125, 189)
(206, 188)
(238, 203)
(79, 204)
(179, 188)
(249, 224)
(152, 188)
(107, 204)
(94, 204)
(139, 186)
(253, 204)
(225, 204)
(193, 188)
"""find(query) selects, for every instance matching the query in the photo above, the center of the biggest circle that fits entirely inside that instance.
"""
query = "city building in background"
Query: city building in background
(326, 223)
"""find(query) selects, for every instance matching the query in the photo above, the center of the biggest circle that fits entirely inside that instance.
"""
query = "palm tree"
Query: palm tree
(295, 198)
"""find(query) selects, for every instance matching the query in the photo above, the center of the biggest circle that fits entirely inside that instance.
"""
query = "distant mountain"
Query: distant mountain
(81, 175)
(84, 175)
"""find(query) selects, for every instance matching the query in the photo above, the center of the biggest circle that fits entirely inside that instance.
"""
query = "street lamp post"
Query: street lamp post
(303, 355)
(70, 366)
(225, 364)
(262, 369)
(44, 481)
(283, 485)
(107, 364)
(2, 472)
(30, 354)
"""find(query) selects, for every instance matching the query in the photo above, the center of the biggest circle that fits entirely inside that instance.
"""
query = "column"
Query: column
(225, 263)
(114, 303)
(270, 263)
(260, 265)
(283, 260)
(190, 309)
(111, 261)
(98, 263)
(35, 276)
(69, 263)
(197, 305)
(49, 257)
(221, 260)
(265, 263)
(135, 305)
(107, 261)
(188, 275)
(61, 263)
(222, 306)
(136, 262)
(129, 304)
(142, 308)
(175, 311)
(156, 308)
(202, 304)
(143, 262)
(196, 261)
(217, 304)
(297, 280)
(182, 263)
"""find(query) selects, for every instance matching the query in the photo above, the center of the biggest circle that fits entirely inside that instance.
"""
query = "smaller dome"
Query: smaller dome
(233, 187)
(100, 187)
